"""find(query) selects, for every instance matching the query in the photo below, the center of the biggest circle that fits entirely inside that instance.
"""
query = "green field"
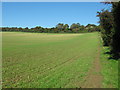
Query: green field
(52, 60)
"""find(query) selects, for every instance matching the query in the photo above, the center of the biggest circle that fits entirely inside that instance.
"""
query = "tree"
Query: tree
(60, 26)
(113, 26)
(91, 27)
(38, 29)
(106, 22)
(26, 28)
(66, 27)
(115, 46)
(75, 27)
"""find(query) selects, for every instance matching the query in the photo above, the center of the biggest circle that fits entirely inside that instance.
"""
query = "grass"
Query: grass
(35, 60)
(47, 60)
(109, 69)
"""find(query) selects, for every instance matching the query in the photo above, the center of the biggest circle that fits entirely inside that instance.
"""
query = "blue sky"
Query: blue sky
(49, 14)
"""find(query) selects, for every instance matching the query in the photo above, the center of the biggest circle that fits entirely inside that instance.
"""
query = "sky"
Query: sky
(53, 0)
(49, 14)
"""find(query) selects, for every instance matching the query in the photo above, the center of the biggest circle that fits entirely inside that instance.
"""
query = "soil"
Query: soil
(94, 77)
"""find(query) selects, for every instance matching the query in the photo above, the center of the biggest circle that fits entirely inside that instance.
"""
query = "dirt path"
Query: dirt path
(94, 78)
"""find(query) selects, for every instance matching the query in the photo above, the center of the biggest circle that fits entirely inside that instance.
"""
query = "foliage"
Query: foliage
(115, 46)
(110, 21)
(60, 28)
(106, 23)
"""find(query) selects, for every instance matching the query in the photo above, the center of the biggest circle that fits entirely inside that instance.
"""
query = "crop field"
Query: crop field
(41, 60)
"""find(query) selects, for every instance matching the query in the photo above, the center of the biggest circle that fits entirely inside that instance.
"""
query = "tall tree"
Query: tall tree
(106, 22)
(66, 27)
(74, 25)
(116, 37)
(60, 26)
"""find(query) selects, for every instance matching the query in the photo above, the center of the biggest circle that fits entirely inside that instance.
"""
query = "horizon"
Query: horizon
(49, 14)
(41, 26)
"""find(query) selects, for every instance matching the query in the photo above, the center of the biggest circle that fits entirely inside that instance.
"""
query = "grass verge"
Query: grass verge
(109, 69)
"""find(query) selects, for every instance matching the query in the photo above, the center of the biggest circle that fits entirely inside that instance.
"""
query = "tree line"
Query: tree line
(59, 28)
(110, 28)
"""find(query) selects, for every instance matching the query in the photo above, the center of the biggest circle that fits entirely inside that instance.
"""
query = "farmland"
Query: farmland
(42, 60)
